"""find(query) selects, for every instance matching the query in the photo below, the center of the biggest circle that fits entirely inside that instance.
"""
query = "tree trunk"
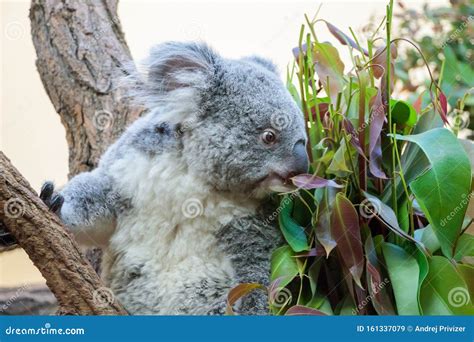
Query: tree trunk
(81, 54)
(52, 249)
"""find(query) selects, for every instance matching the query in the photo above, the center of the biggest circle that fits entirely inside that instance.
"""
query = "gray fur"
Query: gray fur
(208, 113)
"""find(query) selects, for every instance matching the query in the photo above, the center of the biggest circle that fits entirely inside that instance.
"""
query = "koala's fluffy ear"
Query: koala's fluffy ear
(266, 63)
(176, 65)
(172, 78)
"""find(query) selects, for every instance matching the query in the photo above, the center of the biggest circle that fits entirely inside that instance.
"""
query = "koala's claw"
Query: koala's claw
(56, 203)
(53, 200)
(47, 191)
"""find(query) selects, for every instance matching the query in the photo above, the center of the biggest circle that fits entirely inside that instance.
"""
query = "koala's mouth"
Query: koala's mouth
(278, 182)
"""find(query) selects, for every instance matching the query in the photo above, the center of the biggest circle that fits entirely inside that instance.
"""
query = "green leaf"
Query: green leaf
(468, 146)
(467, 272)
(414, 161)
(339, 164)
(347, 307)
(404, 272)
(403, 113)
(292, 231)
(294, 92)
(444, 291)
(313, 274)
(353, 110)
(283, 265)
(424, 267)
(465, 247)
(403, 216)
(428, 238)
(321, 303)
(442, 190)
(345, 231)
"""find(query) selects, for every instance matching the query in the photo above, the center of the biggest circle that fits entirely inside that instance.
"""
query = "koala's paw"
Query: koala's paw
(52, 199)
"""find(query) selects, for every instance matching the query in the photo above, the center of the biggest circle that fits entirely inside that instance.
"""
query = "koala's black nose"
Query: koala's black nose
(301, 160)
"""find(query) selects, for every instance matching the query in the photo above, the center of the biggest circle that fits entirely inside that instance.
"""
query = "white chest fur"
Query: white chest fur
(172, 222)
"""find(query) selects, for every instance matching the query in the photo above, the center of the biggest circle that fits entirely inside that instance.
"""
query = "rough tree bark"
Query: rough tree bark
(81, 54)
(52, 249)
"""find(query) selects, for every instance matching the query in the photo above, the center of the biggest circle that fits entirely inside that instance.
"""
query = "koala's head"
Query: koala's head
(239, 129)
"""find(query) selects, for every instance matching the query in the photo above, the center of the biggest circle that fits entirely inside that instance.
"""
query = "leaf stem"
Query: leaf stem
(389, 109)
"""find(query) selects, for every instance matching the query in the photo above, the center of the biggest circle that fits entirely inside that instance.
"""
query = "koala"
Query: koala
(179, 202)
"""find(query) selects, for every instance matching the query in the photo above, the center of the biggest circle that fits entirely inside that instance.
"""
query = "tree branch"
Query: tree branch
(52, 249)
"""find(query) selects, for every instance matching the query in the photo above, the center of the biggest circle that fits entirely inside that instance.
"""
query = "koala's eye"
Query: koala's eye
(269, 136)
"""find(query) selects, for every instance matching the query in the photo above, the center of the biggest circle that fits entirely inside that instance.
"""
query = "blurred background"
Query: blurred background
(32, 136)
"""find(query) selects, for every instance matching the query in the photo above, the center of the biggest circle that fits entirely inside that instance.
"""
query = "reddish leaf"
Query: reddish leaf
(297, 51)
(354, 136)
(343, 38)
(308, 182)
(380, 59)
(299, 310)
(441, 105)
(443, 102)
(377, 121)
(345, 231)
(323, 111)
(361, 295)
(238, 292)
(376, 285)
(417, 104)
(317, 251)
